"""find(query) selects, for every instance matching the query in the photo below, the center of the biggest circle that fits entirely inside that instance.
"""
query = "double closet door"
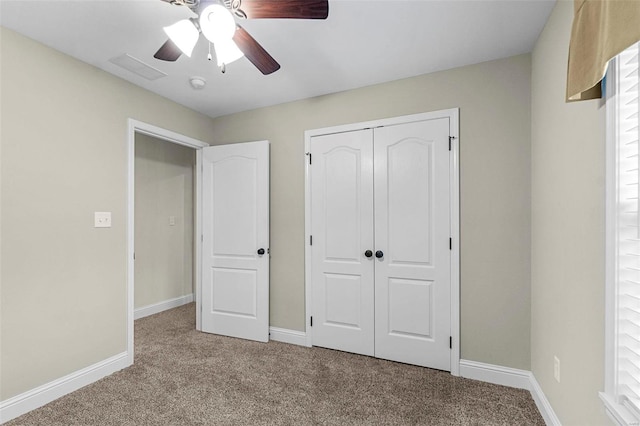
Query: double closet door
(380, 250)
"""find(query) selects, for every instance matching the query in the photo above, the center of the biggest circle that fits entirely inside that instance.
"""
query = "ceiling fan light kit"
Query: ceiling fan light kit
(184, 35)
(231, 42)
(218, 26)
(226, 52)
(217, 23)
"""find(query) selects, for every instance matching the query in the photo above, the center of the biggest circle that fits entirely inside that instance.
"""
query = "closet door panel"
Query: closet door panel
(412, 278)
(342, 229)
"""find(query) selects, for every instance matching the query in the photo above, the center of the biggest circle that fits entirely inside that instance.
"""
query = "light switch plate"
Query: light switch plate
(172, 220)
(102, 220)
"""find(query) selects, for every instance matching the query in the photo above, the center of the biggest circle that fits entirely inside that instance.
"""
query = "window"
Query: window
(622, 355)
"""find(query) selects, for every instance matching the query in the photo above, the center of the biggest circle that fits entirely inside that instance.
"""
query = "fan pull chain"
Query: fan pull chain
(223, 67)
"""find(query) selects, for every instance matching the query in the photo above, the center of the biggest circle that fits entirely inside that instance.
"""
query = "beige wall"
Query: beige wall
(64, 156)
(494, 101)
(63, 142)
(567, 265)
(163, 189)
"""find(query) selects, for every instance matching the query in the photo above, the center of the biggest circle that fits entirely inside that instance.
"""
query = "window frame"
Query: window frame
(616, 411)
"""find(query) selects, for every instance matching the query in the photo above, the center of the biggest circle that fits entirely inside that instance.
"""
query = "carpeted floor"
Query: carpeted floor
(183, 377)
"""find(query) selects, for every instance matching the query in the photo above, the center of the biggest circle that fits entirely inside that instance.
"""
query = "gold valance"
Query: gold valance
(601, 29)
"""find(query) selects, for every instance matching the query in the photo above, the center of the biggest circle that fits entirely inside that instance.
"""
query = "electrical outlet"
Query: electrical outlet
(102, 220)
(556, 368)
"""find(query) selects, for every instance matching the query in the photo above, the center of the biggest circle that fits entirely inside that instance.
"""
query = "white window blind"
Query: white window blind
(627, 322)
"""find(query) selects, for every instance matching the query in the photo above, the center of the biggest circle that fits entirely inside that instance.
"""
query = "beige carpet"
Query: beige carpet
(182, 377)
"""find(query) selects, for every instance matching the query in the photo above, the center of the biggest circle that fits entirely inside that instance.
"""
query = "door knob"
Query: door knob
(368, 253)
(379, 254)
(260, 251)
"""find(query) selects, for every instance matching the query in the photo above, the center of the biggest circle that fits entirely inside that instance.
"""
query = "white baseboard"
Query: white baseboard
(495, 374)
(543, 404)
(514, 378)
(288, 336)
(30, 400)
(156, 308)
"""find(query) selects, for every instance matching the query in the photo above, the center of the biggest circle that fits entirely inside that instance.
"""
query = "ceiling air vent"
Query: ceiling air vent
(138, 67)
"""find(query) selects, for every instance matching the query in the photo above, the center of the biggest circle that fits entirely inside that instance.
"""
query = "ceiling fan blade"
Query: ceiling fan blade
(168, 52)
(292, 9)
(254, 52)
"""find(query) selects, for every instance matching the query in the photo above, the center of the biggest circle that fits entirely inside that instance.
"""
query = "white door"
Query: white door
(412, 231)
(342, 231)
(235, 246)
(385, 190)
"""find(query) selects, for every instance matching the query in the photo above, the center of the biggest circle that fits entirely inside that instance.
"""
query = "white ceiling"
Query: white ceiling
(361, 43)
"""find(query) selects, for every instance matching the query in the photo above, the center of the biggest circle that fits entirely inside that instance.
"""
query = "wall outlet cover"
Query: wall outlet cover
(102, 220)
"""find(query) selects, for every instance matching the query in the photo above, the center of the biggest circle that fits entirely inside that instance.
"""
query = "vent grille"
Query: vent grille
(138, 67)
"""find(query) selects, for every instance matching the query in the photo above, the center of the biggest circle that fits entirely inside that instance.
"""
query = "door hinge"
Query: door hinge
(310, 240)
(309, 154)
(134, 255)
(450, 139)
(311, 321)
(450, 244)
(202, 237)
(450, 342)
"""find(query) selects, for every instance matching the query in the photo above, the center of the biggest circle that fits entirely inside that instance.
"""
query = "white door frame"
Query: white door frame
(454, 180)
(135, 126)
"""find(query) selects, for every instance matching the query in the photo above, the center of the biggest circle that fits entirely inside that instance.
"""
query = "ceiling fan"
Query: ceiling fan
(216, 21)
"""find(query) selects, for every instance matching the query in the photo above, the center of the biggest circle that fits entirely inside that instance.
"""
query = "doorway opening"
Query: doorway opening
(163, 220)
(164, 225)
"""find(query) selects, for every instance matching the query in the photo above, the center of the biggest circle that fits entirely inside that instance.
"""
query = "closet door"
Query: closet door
(342, 230)
(412, 230)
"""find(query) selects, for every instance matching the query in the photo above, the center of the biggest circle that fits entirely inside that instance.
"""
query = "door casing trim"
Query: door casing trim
(454, 187)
